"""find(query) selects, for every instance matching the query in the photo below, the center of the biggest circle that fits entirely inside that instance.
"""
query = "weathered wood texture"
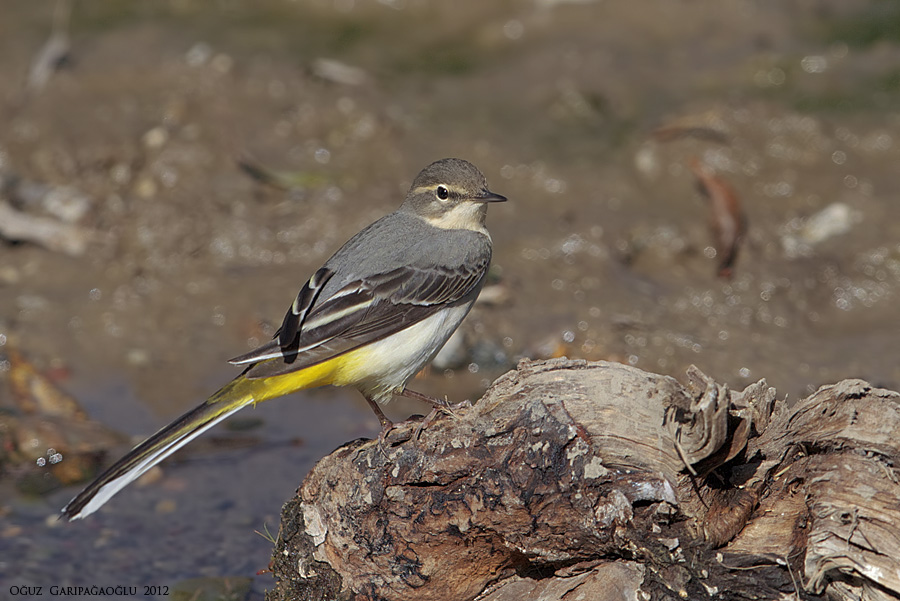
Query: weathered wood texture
(572, 480)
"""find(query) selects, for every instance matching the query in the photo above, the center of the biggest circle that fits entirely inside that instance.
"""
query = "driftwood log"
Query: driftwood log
(586, 481)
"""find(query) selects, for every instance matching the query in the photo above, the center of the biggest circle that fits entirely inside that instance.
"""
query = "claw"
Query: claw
(466, 404)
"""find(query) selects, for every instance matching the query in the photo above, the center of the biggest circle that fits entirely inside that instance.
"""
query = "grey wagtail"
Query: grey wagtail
(378, 310)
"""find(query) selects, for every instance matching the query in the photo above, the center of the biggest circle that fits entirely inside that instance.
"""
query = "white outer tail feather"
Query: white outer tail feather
(108, 490)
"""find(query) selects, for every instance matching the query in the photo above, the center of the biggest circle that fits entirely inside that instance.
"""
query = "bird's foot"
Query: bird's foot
(386, 427)
(439, 406)
(428, 419)
(466, 404)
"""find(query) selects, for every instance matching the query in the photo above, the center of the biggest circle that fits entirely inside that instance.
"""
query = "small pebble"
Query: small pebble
(145, 188)
(155, 138)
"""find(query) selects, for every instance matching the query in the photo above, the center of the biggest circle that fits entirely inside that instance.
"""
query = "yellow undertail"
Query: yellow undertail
(240, 392)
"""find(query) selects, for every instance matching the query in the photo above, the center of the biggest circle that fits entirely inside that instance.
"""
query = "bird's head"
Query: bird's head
(450, 194)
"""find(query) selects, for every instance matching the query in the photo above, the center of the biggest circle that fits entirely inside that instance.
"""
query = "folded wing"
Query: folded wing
(361, 312)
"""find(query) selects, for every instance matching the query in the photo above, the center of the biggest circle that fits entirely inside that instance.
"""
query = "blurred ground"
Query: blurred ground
(604, 250)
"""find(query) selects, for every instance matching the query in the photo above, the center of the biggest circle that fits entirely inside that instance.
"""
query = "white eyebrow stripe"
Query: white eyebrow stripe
(453, 189)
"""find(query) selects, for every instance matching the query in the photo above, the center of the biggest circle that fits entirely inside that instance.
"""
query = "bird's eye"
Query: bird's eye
(443, 193)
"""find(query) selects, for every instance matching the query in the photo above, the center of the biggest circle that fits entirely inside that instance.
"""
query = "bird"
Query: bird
(371, 317)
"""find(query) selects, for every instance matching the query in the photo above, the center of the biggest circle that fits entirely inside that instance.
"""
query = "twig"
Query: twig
(49, 233)
(54, 52)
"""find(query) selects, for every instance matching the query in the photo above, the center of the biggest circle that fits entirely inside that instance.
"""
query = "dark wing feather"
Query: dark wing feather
(371, 309)
(429, 289)
(286, 336)
(293, 320)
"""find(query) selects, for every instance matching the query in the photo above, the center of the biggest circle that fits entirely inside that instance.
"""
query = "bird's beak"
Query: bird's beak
(488, 196)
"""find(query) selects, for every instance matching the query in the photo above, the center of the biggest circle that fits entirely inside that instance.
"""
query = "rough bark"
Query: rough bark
(573, 480)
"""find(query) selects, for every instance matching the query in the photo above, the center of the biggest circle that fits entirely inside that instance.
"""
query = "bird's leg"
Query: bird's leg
(386, 424)
(438, 404)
